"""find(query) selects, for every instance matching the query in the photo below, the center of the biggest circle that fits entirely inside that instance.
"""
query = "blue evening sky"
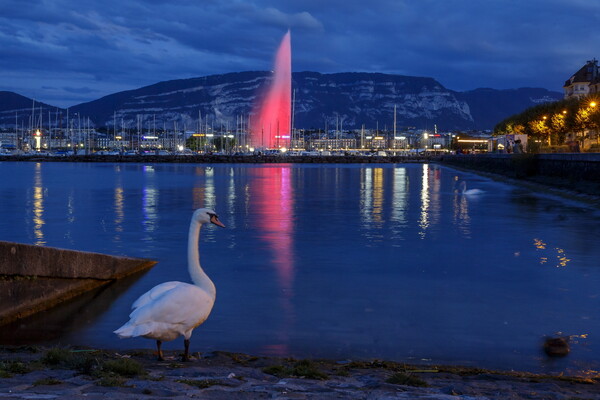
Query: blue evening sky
(65, 52)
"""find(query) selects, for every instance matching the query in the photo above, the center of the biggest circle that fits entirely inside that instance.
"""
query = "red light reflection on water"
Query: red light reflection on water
(272, 124)
(272, 200)
(272, 197)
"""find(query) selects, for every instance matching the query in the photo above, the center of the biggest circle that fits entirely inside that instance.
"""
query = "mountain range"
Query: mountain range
(350, 99)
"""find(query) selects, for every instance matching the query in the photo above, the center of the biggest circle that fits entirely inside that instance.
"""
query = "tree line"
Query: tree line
(551, 122)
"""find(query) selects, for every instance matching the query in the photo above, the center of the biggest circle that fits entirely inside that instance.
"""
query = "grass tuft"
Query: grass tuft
(56, 356)
(47, 381)
(8, 368)
(111, 381)
(124, 367)
(113, 373)
(304, 369)
(400, 378)
(83, 362)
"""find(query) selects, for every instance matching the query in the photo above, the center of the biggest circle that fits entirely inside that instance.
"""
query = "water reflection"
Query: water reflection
(400, 196)
(372, 195)
(460, 214)
(149, 201)
(66, 319)
(560, 258)
(366, 195)
(38, 206)
(424, 215)
(203, 192)
(118, 210)
(272, 199)
(231, 196)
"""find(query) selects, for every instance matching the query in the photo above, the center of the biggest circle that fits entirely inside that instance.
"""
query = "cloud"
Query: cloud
(123, 45)
(301, 20)
(79, 90)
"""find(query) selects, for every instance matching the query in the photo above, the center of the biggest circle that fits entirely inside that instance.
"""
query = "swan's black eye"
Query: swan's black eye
(212, 215)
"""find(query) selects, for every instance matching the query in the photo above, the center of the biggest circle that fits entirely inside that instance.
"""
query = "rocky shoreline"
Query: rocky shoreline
(80, 373)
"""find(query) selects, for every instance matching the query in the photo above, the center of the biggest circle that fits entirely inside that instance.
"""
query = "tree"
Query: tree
(196, 143)
(223, 143)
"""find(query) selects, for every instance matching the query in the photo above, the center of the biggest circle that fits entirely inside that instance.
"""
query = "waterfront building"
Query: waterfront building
(332, 144)
(584, 82)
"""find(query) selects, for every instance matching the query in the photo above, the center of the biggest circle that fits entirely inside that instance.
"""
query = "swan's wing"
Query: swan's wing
(175, 312)
(154, 293)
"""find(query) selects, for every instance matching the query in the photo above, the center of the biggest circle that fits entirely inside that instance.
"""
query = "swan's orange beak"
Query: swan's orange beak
(215, 220)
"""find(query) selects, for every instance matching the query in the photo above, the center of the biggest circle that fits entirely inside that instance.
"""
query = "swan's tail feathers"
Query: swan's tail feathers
(129, 330)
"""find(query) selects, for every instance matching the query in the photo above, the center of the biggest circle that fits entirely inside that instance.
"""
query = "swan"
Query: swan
(469, 192)
(175, 308)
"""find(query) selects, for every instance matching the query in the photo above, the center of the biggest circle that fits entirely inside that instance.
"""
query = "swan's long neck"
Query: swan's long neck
(197, 274)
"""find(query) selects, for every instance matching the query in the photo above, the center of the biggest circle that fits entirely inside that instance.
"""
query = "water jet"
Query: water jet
(271, 126)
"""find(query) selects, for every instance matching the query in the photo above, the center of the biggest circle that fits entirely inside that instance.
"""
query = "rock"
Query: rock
(557, 347)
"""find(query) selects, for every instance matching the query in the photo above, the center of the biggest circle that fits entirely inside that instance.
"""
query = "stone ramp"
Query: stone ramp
(35, 278)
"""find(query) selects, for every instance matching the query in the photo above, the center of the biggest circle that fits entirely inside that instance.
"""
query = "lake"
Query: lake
(388, 261)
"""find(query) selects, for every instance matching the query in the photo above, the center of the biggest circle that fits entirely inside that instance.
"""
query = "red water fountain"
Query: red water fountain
(271, 124)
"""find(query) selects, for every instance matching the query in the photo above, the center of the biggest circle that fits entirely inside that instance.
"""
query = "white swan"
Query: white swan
(469, 192)
(175, 308)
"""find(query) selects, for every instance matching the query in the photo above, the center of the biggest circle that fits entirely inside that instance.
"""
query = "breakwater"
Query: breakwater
(574, 171)
(35, 278)
(220, 158)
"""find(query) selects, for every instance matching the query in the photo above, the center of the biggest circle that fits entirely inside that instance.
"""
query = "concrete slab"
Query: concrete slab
(35, 278)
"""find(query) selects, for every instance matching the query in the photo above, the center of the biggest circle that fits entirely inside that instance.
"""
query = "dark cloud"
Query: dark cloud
(80, 90)
(64, 51)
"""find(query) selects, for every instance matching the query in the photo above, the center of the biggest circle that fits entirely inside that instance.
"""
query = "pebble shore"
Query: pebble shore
(35, 373)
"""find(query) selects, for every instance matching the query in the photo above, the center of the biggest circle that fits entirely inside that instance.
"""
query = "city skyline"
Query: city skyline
(65, 53)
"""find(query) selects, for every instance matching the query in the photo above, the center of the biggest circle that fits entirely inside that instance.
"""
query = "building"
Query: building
(584, 82)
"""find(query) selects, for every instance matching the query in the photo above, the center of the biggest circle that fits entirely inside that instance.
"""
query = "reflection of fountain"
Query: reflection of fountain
(272, 122)
(272, 195)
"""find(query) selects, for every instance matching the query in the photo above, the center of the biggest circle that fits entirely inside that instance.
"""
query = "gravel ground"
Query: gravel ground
(72, 373)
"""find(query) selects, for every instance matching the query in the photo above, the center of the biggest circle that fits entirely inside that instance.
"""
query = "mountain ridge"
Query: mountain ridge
(349, 99)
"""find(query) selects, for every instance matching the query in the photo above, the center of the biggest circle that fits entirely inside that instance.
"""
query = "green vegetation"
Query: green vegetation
(196, 143)
(400, 378)
(108, 372)
(551, 122)
(303, 368)
(47, 381)
(83, 362)
(242, 359)
(114, 372)
(124, 367)
(8, 368)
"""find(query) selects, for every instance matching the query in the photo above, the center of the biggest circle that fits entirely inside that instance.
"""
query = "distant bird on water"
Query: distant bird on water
(172, 309)
(469, 192)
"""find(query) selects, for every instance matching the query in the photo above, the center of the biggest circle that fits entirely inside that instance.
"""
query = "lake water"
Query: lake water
(387, 261)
